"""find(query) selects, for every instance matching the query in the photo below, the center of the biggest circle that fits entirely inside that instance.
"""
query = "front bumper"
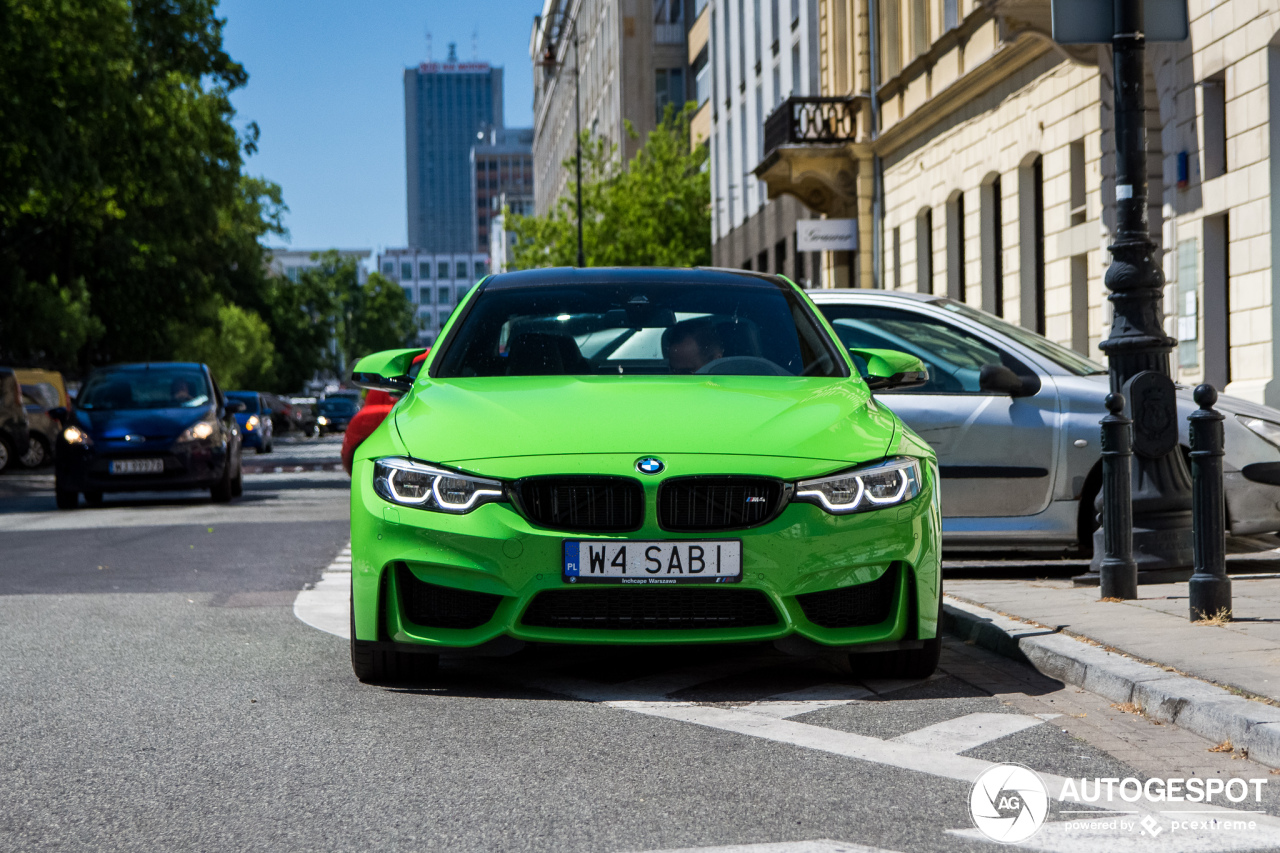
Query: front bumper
(193, 465)
(482, 575)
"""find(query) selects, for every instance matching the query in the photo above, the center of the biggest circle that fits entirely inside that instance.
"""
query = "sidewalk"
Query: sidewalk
(1243, 654)
(1218, 680)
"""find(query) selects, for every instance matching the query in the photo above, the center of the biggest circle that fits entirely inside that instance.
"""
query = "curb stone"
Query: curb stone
(1197, 706)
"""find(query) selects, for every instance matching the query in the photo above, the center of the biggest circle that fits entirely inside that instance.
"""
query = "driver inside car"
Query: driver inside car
(690, 345)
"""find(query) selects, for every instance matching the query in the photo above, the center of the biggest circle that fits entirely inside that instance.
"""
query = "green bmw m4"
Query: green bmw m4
(642, 456)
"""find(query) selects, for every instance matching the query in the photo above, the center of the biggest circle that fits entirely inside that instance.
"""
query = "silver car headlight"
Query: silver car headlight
(876, 486)
(198, 431)
(408, 482)
(1266, 430)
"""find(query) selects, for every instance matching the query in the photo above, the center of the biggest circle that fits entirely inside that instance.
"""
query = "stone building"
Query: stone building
(974, 153)
(632, 60)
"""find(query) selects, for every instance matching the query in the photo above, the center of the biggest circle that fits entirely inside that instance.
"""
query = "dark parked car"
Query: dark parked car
(14, 430)
(336, 411)
(39, 400)
(140, 427)
(257, 429)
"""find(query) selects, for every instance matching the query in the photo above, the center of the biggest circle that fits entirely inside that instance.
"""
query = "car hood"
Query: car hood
(153, 423)
(460, 420)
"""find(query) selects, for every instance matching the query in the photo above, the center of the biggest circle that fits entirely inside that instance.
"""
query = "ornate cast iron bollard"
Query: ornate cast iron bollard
(1118, 573)
(1209, 587)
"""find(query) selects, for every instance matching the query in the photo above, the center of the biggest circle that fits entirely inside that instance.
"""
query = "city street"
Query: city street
(162, 694)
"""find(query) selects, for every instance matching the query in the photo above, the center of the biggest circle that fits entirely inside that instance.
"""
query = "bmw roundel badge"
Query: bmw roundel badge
(649, 465)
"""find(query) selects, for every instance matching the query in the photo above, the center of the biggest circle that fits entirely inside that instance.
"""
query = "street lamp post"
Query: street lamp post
(1137, 348)
(550, 63)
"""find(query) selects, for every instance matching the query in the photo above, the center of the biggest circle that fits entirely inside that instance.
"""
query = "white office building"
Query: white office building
(435, 283)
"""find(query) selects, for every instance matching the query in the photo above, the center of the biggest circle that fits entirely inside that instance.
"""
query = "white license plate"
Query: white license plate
(614, 561)
(137, 466)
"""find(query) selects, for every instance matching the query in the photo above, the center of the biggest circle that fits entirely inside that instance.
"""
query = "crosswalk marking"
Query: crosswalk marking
(796, 702)
(967, 732)
(819, 846)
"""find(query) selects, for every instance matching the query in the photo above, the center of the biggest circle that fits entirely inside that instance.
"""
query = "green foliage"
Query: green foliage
(127, 225)
(379, 316)
(237, 347)
(654, 210)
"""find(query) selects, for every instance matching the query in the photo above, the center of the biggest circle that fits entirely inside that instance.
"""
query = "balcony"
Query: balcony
(800, 120)
(813, 147)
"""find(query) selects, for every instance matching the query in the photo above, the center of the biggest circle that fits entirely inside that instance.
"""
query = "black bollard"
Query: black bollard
(1118, 573)
(1209, 587)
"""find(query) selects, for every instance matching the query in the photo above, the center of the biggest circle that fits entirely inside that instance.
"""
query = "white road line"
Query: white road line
(1064, 837)
(797, 702)
(327, 605)
(819, 846)
(967, 732)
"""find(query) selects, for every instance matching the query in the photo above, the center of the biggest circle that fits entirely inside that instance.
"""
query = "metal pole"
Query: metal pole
(577, 122)
(1137, 348)
(1209, 588)
(1118, 571)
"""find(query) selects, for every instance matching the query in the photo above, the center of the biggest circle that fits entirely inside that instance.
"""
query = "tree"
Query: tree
(126, 222)
(237, 348)
(653, 211)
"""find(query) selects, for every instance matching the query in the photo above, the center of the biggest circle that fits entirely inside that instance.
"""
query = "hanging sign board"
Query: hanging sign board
(1093, 21)
(827, 235)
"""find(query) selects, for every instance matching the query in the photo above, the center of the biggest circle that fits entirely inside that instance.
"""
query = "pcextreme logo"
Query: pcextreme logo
(1009, 803)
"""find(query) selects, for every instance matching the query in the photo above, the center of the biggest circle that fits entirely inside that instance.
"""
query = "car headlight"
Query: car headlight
(75, 435)
(252, 423)
(882, 484)
(1266, 430)
(417, 484)
(198, 431)
(322, 420)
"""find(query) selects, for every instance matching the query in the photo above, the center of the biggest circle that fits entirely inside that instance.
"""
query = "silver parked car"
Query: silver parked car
(1017, 442)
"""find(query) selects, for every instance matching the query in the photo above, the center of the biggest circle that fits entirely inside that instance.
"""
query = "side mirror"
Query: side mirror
(234, 407)
(59, 414)
(890, 368)
(999, 379)
(387, 370)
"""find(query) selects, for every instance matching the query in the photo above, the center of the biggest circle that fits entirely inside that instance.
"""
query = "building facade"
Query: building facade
(446, 104)
(749, 56)
(291, 262)
(434, 282)
(631, 60)
(978, 155)
(501, 172)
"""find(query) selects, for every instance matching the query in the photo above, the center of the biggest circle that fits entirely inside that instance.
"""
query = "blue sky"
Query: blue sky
(326, 89)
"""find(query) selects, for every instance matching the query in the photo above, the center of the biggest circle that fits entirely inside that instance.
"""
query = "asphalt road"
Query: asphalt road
(157, 692)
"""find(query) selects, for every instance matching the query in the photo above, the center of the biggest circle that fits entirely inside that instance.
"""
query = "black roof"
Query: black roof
(149, 365)
(552, 276)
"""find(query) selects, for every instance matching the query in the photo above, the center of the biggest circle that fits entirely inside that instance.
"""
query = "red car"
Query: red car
(377, 404)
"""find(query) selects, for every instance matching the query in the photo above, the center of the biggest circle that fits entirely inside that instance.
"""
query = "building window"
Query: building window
(919, 27)
(780, 257)
(950, 14)
(462, 270)
(1217, 301)
(799, 271)
(1077, 182)
(897, 258)
(293, 273)
(924, 251)
(444, 270)
(670, 89)
(1215, 127)
(702, 77)
(746, 265)
(796, 88)
(388, 269)
(408, 294)
(1031, 244)
(762, 261)
(482, 269)
(955, 249)
(406, 270)
(424, 269)
(890, 38)
(443, 297)
(991, 236)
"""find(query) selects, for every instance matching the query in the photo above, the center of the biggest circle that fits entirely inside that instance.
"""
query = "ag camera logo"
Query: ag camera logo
(1009, 803)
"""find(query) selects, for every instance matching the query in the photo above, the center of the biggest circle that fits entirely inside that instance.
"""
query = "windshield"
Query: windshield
(755, 329)
(250, 401)
(1069, 360)
(153, 388)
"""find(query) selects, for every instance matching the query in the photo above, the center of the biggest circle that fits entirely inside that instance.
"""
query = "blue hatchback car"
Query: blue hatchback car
(256, 427)
(143, 427)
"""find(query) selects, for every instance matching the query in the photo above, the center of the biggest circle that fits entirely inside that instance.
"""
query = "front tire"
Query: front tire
(93, 498)
(37, 453)
(373, 665)
(66, 498)
(223, 491)
(6, 453)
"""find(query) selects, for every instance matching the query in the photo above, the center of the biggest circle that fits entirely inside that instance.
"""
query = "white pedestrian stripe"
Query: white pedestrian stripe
(816, 698)
(967, 732)
(327, 605)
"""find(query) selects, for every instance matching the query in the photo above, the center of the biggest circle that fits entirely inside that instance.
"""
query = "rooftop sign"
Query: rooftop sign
(453, 67)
